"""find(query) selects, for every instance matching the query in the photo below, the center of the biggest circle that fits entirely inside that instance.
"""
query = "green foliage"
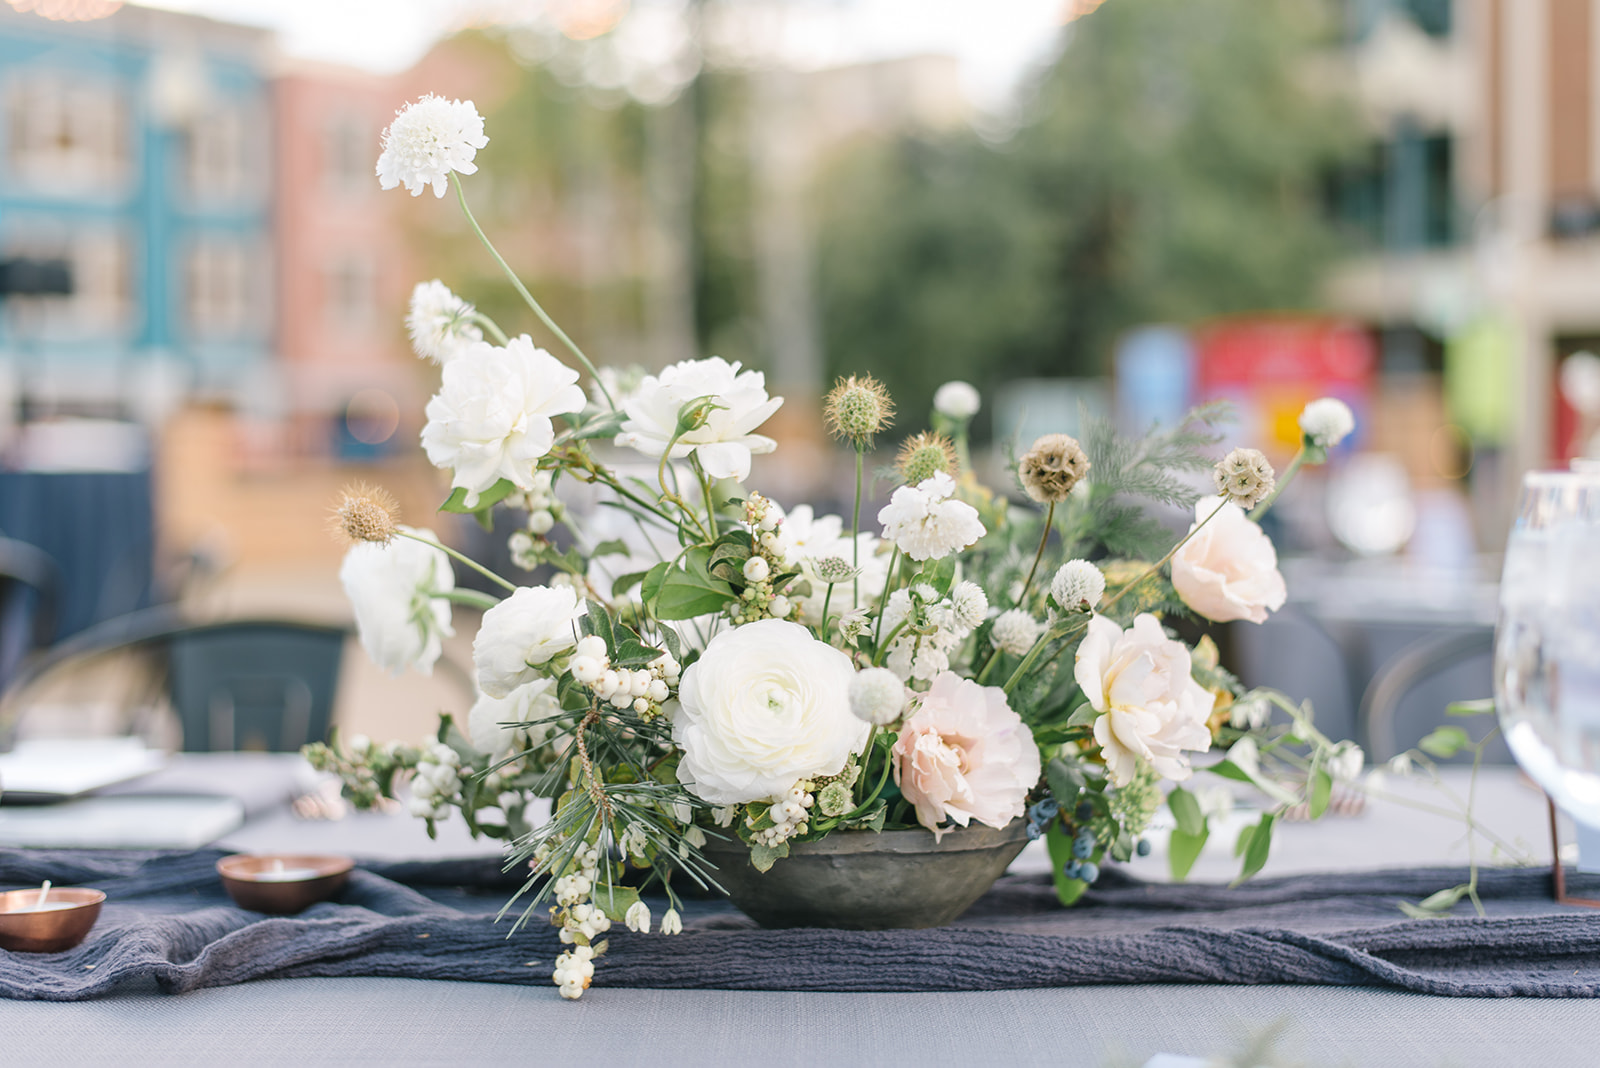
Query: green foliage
(1167, 169)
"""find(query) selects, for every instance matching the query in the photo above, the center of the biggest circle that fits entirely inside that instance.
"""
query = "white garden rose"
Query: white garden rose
(486, 723)
(523, 632)
(1152, 709)
(491, 417)
(1229, 569)
(765, 706)
(397, 591)
(726, 442)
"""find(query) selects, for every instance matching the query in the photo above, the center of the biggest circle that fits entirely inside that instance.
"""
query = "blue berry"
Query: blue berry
(1089, 872)
(1049, 809)
(1143, 848)
(1083, 847)
(1033, 831)
(1084, 811)
(1073, 868)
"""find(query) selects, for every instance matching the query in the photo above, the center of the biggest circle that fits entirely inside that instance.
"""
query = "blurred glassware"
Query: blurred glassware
(1547, 642)
(1370, 504)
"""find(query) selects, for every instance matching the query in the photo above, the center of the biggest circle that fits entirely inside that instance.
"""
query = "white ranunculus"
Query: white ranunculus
(726, 442)
(957, 400)
(440, 323)
(396, 591)
(926, 523)
(486, 723)
(523, 632)
(1229, 569)
(426, 141)
(491, 417)
(764, 707)
(804, 538)
(1327, 421)
(1151, 709)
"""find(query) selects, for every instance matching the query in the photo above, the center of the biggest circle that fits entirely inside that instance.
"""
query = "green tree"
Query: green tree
(1166, 169)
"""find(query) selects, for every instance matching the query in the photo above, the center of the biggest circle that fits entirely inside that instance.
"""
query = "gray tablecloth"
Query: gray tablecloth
(167, 925)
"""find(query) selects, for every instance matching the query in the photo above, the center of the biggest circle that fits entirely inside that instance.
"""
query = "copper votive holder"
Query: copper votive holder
(69, 914)
(282, 884)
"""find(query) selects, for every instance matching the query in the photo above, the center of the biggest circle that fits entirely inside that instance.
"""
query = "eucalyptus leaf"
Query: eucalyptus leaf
(615, 901)
(1445, 742)
(1186, 810)
(1260, 844)
(1183, 850)
(763, 857)
(1321, 793)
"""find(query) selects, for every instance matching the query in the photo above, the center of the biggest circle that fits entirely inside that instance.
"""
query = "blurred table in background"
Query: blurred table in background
(99, 528)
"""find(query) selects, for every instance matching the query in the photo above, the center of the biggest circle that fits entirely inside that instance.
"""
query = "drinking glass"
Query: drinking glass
(1547, 641)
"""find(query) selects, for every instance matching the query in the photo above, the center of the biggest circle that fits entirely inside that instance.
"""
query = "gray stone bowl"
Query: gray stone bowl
(867, 881)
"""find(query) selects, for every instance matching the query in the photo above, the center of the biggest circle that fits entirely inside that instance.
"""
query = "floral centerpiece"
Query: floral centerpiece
(694, 659)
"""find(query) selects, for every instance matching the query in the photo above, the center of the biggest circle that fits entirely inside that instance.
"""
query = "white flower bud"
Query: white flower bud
(638, 918)
(957, 400)
(540, 521)
(591, 646)
(969, 604)
(1015, 632)
(877, 696)
(780, 607)
(756, 569)
(586, 669)
(671, 923)
(658, 691)
(1077, 582)
(1327, 421)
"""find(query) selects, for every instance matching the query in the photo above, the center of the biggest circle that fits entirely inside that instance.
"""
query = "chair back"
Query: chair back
(27, 604)
(254, 684)
(1406, 700)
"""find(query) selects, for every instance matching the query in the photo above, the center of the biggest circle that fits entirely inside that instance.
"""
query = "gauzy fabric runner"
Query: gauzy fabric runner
(168, 925)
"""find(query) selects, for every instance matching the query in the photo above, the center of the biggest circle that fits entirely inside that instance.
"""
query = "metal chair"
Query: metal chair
(1407, 698)
(28, 587)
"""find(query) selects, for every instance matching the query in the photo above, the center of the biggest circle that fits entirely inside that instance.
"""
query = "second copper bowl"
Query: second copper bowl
(242, 878)
(24, 931)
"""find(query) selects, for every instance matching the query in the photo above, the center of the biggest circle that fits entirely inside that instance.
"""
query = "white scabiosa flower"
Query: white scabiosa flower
(522, 633)
(969, 603)
(397, 592)
(491, 419)
(1015, 631)
(877, 696)
(926, 523)
(727, 440)
(440, 323)
(1077, 583)
(426, 141)
(1327, 421)
(957, 400)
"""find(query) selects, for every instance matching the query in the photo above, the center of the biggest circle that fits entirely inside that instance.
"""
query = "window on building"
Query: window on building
(101, 301)
(1433, 17)
(1401, 196)
(349, 145)
(220, 153)
(66, 132)
(350, 293)
(221, 298)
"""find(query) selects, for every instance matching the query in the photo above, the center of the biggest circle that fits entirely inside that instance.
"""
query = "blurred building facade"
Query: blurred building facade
(1479, 204)
(137, 149)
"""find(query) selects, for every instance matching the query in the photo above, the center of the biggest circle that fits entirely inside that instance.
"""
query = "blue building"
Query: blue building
(137, 148)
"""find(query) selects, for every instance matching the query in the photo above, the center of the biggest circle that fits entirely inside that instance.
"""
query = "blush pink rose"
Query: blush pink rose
(1229, 569)
(964, 755)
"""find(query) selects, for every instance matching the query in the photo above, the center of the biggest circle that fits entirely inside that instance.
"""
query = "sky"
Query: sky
(996, 41)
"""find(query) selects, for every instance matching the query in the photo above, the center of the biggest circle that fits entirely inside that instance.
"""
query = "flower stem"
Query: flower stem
(883, 606)
(490, 325)
(855, 534)
(469, 561)
(522, 291)
(1044, 536)
(1027, 661)
(705, 487)
(1288, 476)
(472, 598)
(1159, 564)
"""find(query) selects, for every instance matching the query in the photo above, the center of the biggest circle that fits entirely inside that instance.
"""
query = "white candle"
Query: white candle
(279, 874)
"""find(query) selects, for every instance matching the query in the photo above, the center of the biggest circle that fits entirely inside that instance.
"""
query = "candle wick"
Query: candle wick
(44, 892)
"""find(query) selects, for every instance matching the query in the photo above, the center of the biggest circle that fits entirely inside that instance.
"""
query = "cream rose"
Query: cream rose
(1229, 569)
(765, 706)
(964, 755)
(487, 723)
(1152, 708)
(522, 632)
